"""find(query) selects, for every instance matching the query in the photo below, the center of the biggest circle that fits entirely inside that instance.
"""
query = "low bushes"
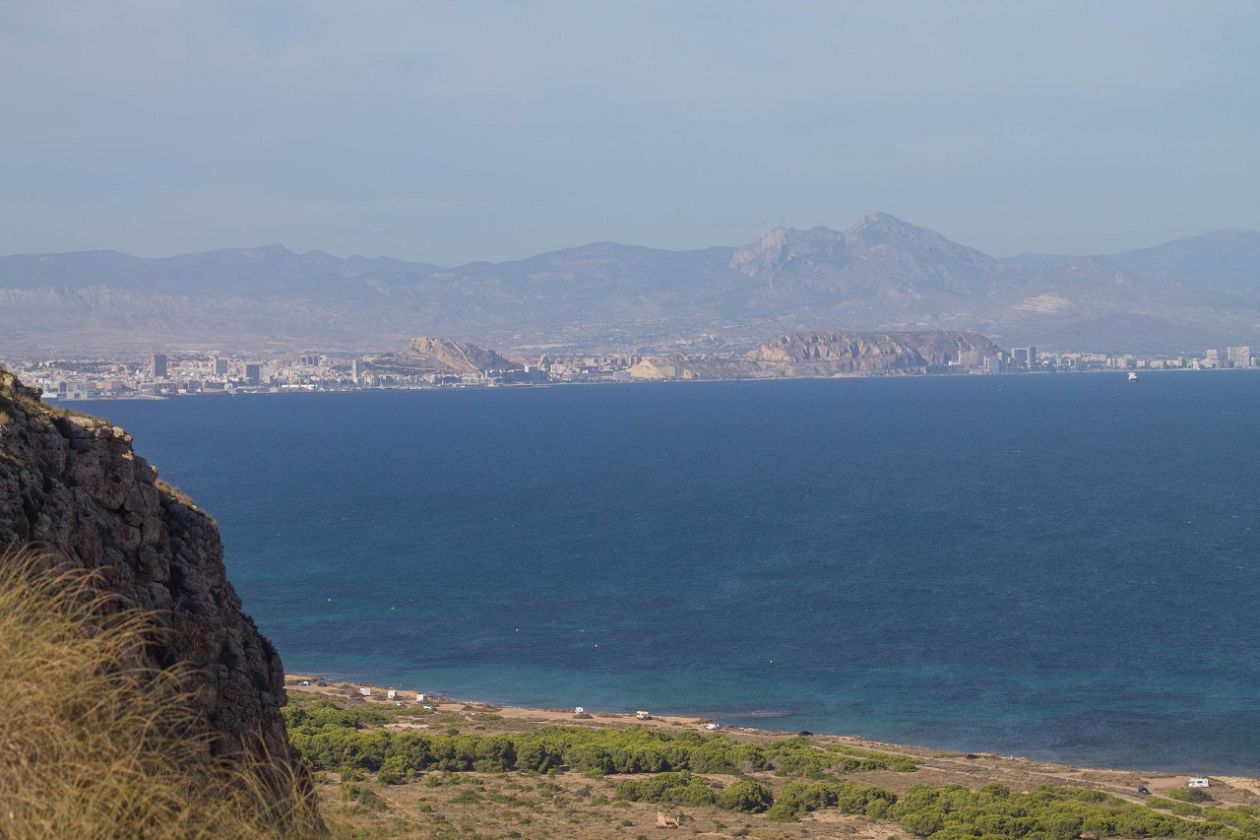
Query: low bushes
(1047, 813)
(672, 763)
(674, 788)
(1195, 795)
(797, 798)
(332, 739)
(746, 796)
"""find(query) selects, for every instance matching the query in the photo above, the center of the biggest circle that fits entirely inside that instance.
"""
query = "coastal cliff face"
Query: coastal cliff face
(441, 356)
(855, 352)
(829, 354)
(72, 485)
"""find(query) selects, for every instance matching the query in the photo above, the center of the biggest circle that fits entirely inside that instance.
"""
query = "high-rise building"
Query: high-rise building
(158, 366)
(356, 371)
(1032, 358)
(220, 366)
(1239, 357)
(253, 374)
(1212, 358)
(1019, 357)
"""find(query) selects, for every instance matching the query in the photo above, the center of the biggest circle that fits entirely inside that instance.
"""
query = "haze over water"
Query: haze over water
(1063, 567)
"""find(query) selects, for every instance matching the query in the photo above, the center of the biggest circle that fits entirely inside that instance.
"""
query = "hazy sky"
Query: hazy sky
(452, 132)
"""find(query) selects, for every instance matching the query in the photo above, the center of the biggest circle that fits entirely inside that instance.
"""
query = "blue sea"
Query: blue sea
(1056, 566)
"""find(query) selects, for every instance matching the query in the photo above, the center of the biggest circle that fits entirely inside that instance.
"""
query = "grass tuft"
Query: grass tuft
(95, 743)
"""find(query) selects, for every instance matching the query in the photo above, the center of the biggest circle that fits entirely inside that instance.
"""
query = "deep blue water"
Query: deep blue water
(1063, 567)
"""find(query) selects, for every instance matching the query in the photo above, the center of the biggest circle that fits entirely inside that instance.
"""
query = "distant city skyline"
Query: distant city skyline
(453, 132)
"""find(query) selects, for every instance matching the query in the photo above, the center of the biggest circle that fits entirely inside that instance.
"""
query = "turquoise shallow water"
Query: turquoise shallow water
(1062, 567)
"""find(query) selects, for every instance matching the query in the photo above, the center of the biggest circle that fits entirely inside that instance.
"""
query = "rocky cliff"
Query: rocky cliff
(441, 356)
(830, 354)
(872, 352)
(73, 485)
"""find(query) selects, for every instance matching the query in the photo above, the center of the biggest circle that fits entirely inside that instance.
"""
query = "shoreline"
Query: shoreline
(56, 400)
(954, 766)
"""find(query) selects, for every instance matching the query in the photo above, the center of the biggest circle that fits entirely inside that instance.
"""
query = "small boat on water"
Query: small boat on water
(1133, 376)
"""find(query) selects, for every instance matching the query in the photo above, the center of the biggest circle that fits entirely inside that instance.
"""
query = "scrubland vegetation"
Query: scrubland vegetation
(331, 738)
(768, 785)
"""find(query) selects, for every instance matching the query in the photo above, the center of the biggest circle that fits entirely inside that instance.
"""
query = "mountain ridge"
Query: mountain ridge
(880, 273)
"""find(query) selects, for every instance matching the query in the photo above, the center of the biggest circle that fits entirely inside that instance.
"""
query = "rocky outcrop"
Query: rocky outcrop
(668, 366)
(872, 352)
(831, 354)
(442, 356)
(72, 484)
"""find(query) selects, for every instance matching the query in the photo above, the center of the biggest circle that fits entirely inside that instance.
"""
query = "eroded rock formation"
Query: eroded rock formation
(830, 354)
(73, 485)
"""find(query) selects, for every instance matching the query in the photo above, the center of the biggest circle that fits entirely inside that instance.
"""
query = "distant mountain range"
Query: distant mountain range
(880, 274)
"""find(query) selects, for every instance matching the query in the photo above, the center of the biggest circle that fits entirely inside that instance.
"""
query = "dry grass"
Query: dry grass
(514, 806)
(95, 744)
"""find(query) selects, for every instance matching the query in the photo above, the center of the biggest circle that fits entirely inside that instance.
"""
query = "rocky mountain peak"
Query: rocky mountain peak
(881, 233)
(878, 256)
(782, 246)
(880, 223)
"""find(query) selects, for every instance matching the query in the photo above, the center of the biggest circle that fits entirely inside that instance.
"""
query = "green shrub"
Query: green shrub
(331, 738)
(797, 798)
(319, 713)
(395, 771)
(855, 759)
(1185, 809)
(746, 796)
(1243, 817)
(675, 788)
(1191, 795)
(1047, 813)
